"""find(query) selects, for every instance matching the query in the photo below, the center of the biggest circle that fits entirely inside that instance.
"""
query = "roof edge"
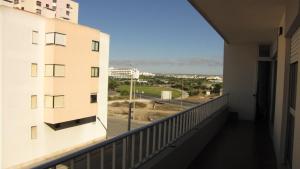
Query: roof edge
(205, 16)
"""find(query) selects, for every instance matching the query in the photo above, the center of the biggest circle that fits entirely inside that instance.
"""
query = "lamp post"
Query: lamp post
(181, 93)
(130, 102)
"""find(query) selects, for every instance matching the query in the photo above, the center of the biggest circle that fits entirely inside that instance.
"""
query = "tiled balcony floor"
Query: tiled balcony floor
(243, 145)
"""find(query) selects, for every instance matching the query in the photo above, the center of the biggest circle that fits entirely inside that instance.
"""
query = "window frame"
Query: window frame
(34, 74)
(53, 101)
(38, 3)
(91, 98)
(92, 72)
(33, 132)
(31, 101)
(38, 11)
(93, 46)
(54, 39)
(53, 70)
(32, 35)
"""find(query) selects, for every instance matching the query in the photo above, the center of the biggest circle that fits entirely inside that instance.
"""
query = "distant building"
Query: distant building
(66, 10)
(147, 74)
(166, 95)
(216, 79)
(124, 73)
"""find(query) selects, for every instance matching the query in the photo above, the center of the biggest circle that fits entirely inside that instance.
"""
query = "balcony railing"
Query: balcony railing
(134, 148)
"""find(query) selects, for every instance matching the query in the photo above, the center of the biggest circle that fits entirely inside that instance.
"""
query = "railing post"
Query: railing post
(154, 139)
(113, 155)
(141, 147)
(165, 134)
(132, 150)
(102, 157)
(147, 142)
(124, 151)
(159, 136)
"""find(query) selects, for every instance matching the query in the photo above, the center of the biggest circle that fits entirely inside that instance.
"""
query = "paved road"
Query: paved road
(185, 103)
(117, 126)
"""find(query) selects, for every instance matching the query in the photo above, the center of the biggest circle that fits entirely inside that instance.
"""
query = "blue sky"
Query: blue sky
(160, 36)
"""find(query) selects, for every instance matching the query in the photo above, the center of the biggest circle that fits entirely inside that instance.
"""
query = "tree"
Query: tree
(217, 87)
(113, 84)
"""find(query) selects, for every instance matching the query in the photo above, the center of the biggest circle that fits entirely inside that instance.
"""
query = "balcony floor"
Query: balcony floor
(243, 145)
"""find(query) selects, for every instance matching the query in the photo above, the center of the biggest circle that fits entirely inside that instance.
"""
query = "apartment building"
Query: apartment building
(124, 73)
(61, 9)
(53, 81)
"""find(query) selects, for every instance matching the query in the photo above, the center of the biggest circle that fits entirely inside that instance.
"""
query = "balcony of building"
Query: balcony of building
(237, 130)
(205, 136)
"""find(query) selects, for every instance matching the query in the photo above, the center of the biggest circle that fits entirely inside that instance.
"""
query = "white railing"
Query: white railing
(133, 148)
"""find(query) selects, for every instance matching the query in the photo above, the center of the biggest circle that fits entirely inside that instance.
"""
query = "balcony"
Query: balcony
(204, 136)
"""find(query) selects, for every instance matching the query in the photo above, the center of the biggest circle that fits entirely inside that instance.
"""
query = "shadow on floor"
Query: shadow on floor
(240, 145)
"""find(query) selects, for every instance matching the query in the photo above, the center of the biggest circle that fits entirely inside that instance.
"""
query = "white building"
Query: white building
(124, 73)
(48, 106)
(147, 74)
(216, 79)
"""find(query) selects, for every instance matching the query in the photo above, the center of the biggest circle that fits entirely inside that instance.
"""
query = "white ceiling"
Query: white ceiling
(243, 21)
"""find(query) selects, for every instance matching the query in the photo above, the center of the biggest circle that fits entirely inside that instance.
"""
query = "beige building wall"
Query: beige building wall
(240, 69)
(77, 84)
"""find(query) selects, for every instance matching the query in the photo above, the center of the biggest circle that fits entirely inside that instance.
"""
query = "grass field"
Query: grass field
(151, 90)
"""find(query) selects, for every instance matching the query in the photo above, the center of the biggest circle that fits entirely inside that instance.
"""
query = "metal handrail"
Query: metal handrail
(170, 129)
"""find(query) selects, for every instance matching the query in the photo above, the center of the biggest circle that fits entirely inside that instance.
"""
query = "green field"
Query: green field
(150, 90)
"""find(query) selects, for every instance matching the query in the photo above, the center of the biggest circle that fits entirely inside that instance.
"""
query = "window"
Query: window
(47, 5)
(55, 38)
(33, 132)
(95, 46)
(68, 13)
(53, 70)
(95, 72)
(22, 8)
(94, 98)
(54, 1)
(54, 101)
(35, 37)
(38, 11)
(38, 3)
(16, 1)
(33, 101)
(68, 6)
(33, 70)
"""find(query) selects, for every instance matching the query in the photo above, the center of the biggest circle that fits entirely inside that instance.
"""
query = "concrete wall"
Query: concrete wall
(103, 79)
(281, 94)
(240, 71)
(18, 53)
(77, 85)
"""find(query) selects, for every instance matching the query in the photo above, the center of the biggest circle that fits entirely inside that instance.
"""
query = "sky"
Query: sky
(158, 36)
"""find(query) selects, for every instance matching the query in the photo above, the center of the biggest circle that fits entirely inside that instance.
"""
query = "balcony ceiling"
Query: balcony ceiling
(242, 21)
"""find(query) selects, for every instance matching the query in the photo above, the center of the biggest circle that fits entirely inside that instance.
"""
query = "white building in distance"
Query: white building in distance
(123, 73)
(147, 74)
